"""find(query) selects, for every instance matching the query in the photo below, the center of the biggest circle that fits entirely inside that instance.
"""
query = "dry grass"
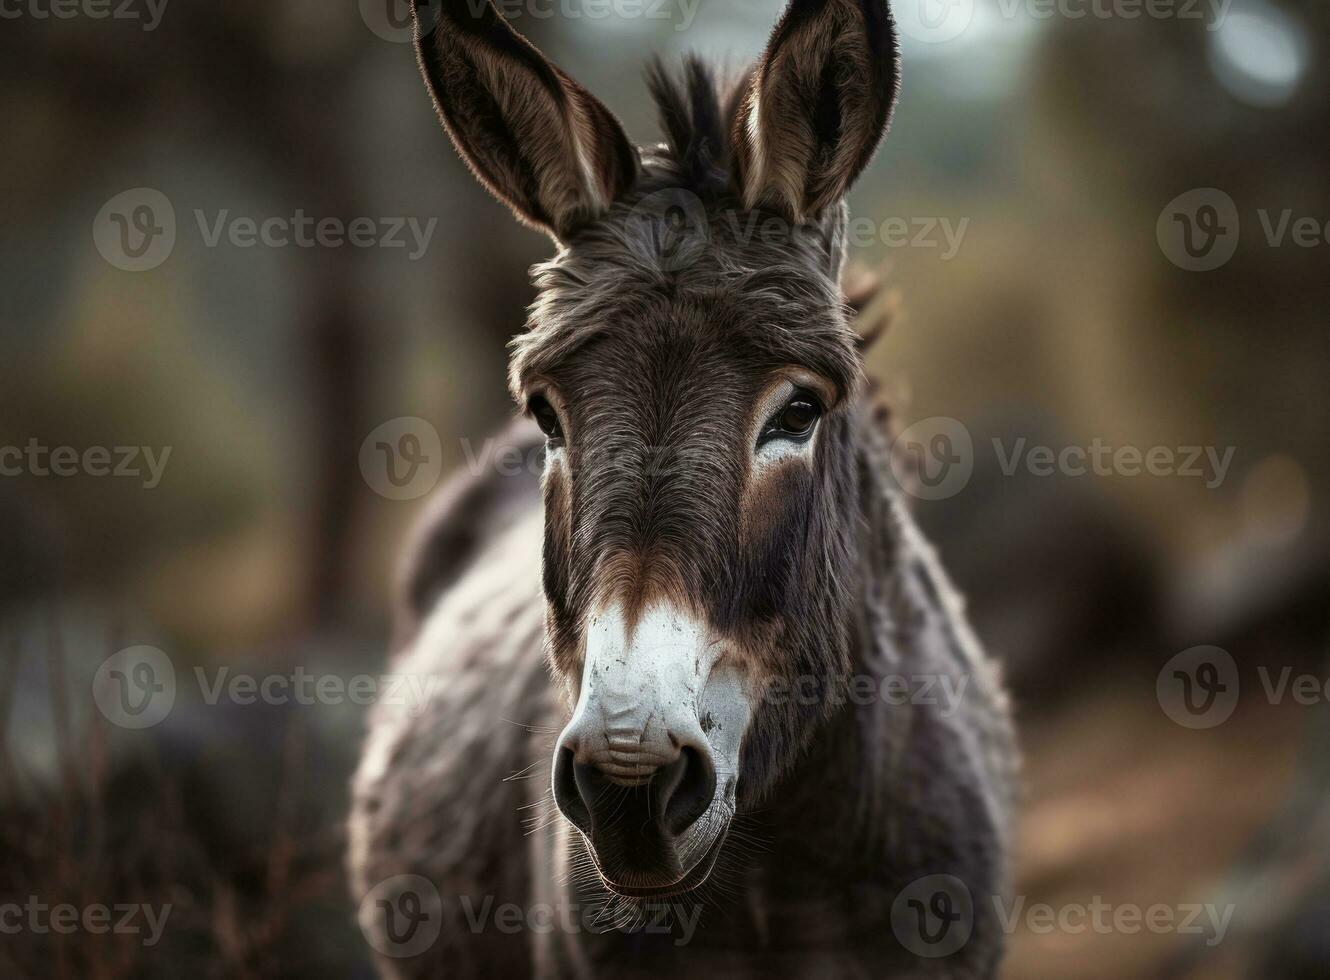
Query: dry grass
(128, 835)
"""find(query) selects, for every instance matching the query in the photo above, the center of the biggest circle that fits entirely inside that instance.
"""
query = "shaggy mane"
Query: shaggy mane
(696, 112)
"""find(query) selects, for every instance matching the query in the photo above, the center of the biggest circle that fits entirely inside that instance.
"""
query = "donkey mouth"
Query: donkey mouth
(690, 879)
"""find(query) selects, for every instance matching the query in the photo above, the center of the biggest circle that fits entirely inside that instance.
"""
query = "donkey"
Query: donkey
(709, 614)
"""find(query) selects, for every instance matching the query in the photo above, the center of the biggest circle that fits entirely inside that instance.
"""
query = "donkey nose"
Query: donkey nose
(659, 795)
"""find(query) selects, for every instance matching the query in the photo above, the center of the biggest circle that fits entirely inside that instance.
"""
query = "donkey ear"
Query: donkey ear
(815, 107)
(536, 139)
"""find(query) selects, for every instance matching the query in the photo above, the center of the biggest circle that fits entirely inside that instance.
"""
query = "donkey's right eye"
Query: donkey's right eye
(546, 417)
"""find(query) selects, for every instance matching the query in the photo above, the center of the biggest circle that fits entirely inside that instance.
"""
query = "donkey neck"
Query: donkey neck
(836, 802)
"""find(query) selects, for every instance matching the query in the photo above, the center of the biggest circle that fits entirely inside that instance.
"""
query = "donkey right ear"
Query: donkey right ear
(536, 139)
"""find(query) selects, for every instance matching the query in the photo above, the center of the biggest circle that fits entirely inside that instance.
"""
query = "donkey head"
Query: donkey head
(690, 362)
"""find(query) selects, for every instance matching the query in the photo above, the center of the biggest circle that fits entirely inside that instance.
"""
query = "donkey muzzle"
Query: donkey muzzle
(635, 771)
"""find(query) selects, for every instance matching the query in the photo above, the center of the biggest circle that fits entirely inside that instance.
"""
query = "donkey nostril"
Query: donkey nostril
(567, 794)
(689, 783)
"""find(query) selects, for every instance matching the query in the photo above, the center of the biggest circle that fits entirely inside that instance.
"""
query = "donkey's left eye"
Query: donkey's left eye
(546, 417)
(796, 420)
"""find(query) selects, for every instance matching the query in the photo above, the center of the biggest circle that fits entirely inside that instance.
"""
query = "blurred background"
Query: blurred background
(1098, 222)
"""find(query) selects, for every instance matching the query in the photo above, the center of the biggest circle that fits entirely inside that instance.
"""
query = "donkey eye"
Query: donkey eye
(546, 417)
(796, 420)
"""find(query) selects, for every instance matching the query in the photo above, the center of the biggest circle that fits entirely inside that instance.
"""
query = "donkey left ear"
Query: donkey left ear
(541, 143)
(816, 105)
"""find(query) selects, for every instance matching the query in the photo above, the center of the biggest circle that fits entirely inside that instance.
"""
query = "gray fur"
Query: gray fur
(659, 339)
